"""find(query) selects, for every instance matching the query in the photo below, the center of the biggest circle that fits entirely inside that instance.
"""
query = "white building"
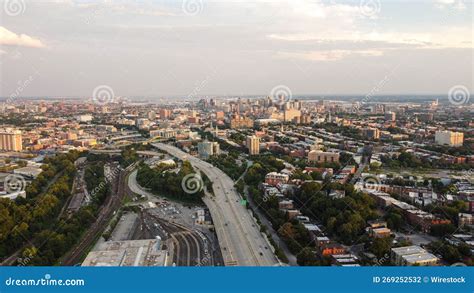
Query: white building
(413, 255)
(450, 138)
(84, 118)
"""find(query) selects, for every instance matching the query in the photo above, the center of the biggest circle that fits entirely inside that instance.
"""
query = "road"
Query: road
(292, 261)
(239, 236)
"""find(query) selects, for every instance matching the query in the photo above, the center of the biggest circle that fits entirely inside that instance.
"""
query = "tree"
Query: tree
(306, 257)
(442, 230)
(381, 246)
(394, 220)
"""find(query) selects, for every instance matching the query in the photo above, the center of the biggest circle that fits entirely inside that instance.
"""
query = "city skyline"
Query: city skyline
(199, 48)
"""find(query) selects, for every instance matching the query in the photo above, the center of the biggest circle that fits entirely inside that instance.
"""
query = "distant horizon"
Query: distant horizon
(440, 95)
(142, 48)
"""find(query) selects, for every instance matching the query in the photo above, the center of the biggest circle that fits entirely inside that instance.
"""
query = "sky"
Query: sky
(200, 47)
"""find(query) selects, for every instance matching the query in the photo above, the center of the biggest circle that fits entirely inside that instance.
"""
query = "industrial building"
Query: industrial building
(146, 252)
(412, 255)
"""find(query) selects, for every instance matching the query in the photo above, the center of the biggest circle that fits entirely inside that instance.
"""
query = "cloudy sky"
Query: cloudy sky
(160, 48)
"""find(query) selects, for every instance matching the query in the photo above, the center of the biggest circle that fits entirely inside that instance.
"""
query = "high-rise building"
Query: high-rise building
(151, 115)
(450, 138)
(10, 140)
(371, 133)
(253, 144)
(165, 113)
(208, 148)
(390, 116)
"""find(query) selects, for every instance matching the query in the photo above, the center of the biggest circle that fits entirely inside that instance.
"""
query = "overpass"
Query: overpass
(240, 239)
(148, 154)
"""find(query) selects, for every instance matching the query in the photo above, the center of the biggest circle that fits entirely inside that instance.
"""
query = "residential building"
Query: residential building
(274, 178)
(165, 113)
(450, 138)
(371, 133)
(316, 156)
(10, 140)
(253, 144)
(390, 116)
(465, 219)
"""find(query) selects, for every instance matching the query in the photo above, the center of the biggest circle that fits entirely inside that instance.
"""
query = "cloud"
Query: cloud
(450, 4)
(329, 55)
(448, 37)
(9, 38)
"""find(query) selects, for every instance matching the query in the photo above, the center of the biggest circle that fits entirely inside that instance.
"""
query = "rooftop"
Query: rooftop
(127, 253)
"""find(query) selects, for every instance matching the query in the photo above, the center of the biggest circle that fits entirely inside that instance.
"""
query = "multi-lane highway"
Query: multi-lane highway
(239, 236)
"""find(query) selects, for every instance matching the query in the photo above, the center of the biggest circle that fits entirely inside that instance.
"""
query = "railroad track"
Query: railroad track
(112, 204)
(189, 245)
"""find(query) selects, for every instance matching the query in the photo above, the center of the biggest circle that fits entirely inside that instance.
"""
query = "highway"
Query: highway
(239, 236)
